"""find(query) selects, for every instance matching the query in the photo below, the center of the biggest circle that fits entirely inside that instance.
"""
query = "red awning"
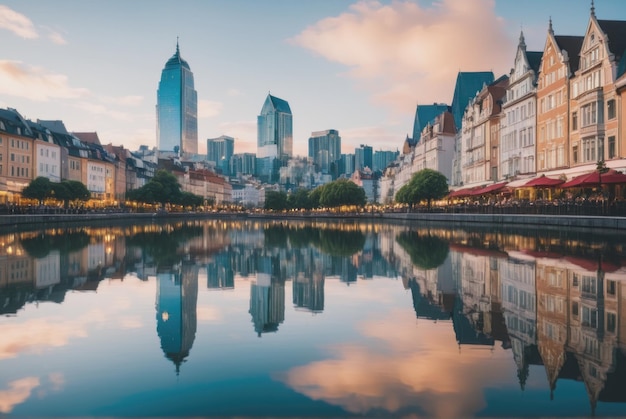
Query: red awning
(496, 187)
(595, 178)
(543, 182)
(462, 193)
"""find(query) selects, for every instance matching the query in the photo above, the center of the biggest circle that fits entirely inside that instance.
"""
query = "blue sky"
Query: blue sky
(359, 67)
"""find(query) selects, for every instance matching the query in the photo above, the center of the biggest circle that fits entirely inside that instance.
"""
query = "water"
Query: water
(276, 319)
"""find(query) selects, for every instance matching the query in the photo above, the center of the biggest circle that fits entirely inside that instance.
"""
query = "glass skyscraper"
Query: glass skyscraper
(177, 108)
(325, 151)
(275, 131)
(220, 150)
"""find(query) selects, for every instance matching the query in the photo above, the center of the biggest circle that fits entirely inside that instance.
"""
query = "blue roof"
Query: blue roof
(425, 114)
(279, 104)
(467, 85)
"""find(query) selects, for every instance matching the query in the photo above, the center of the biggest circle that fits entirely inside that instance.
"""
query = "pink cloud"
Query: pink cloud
(17, 393)
(17, 23)
(17, 79)
(409, 367)
(404, 53)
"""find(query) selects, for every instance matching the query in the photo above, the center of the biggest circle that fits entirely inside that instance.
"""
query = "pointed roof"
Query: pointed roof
(425, 114)
(279, 105)
(572, 45)
(615, 31)
(467, 85)
(177, 60)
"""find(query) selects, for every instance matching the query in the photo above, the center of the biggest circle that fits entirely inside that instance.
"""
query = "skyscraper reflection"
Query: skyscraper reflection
(177, 296)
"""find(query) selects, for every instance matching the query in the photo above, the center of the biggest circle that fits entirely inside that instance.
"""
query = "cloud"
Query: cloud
(17, 79)
(55, 36)
(405, 371)
(18, 392)
(98, 109)
(209, 108)
(404, 53)
(17, 23)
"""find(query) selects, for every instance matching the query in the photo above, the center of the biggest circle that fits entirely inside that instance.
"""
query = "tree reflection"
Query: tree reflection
(426, 251)
(41, 245)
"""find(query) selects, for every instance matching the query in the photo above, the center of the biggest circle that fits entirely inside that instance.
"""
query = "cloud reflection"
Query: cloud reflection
(18, 392)
(413, 367)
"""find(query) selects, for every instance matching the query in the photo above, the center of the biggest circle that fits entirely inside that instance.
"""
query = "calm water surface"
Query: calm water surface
(279, 319)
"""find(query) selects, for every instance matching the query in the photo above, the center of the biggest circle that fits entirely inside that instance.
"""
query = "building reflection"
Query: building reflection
(556, 301)
(177, 296)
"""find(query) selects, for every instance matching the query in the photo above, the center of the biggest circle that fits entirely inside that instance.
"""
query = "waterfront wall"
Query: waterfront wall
(615, 224)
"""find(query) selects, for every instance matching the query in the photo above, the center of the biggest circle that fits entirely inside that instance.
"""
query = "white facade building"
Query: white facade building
(519, 119)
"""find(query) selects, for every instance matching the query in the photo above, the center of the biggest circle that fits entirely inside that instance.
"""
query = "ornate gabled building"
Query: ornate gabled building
(594, 104)
(558, 64)
(16, 154)
(480, 135)
(519, 116)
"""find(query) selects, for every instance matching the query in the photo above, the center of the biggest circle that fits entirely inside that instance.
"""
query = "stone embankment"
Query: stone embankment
(606, 224)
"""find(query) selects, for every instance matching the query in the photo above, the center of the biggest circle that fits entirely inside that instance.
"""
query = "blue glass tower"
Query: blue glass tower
(275, 131)
(177, 108)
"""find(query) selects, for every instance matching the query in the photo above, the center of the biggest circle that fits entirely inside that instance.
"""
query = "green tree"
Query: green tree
(162, 189)
(39, 188)
(72, 190)
(276, 200)
(342, 192)
(299, 199)
(427, 184)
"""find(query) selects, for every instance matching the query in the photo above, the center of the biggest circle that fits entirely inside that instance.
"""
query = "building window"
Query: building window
(589, 114)
(574, 121)
(575, 309)
(611, 322)
(611, 144)
(610, 109)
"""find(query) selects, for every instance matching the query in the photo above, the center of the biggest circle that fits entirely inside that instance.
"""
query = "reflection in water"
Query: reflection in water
(177, 296)
(553, 302)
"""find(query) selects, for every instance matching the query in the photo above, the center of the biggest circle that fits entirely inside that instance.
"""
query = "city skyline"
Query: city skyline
(357, 67)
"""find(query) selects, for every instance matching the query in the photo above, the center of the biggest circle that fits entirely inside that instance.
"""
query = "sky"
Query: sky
(360, 67)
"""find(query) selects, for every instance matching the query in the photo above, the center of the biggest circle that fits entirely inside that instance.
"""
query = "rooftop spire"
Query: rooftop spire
(550, 30)
(177, 49)
(593, 9)
(522, 42)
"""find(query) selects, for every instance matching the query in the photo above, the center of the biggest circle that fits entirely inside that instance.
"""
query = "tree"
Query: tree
(299, 199)
(39, 188)
(275, 200)
(162, 189)
(425, 250)
(342, 192)
(427, 184)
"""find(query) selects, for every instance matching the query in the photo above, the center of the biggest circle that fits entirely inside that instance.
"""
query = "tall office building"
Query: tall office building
(325, 151)
(275, 131)
(220, 150)
(177, 108)
(363, 157)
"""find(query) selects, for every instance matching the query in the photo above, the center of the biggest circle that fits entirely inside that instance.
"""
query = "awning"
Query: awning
(496, 187)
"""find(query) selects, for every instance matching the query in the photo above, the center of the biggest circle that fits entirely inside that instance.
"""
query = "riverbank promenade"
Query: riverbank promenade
(615, 224)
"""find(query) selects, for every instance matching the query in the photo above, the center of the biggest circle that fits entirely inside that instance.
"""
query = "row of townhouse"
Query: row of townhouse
(558, 113)
(47, 149)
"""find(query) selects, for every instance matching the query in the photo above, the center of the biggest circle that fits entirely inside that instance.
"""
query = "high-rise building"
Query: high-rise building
(363, 157)
(275, 131)
(177, 108)
(220, 150)
(325, 151)
(382, 158)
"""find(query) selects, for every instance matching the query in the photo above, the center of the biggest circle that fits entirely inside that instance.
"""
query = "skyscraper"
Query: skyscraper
(220, 150)
(177, 108)
(275, 132)
(325, 151)
(363, 157)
